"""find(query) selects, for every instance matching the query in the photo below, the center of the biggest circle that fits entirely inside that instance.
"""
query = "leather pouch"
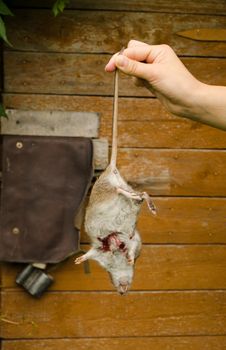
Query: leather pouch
(44, 182)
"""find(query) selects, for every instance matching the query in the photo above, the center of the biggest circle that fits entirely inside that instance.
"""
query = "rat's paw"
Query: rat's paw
(136, 196)
(130, 195)
(130, 260)
(80, 259)
(149, 202)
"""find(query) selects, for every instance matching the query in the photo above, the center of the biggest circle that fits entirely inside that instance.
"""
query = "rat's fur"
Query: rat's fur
(110, 220)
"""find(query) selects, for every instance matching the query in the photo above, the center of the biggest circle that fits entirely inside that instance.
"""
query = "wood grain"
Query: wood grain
(184, 220)
(158, 268)
(82, 31)
(147, 343)
(142, 122)
(175, 172)
(178, 6)
(72, 314)
(50, 123)
(166, 134)
(84, 74)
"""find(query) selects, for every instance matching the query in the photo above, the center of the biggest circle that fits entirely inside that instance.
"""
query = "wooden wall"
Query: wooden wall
(178, 298)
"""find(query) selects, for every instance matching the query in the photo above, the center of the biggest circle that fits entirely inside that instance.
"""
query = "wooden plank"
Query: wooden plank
(100, 154)
(85, 75)
(68, 32)
(147, 343)
(50, 123)
(178, 6)
(140, 120)
(177, 133)
(58, 123)
(175, 172)
(130, 109)
(184, 220)
(107, 314)
(205, 34)
(158, 268)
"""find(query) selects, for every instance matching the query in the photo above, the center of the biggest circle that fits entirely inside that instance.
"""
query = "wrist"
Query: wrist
(210, 105)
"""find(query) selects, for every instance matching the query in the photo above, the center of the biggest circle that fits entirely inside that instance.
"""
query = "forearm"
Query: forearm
(208, 106)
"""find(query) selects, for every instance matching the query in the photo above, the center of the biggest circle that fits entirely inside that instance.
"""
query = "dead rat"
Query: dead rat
(111, 217)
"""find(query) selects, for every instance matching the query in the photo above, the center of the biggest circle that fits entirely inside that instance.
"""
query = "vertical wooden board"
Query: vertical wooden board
(154, 343)
(68, 32)
(59, 315)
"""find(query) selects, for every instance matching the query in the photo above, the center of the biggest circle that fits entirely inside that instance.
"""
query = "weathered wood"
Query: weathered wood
(175, 172)
(50, 123)
(184, 220)
(85, 75)
(158, 268)
(168, 133)
(146, 343)
(100, 156)
(142, 122)
(68, 32)
(58, 123)
(205, 34)
(177, 6)
(109, 315)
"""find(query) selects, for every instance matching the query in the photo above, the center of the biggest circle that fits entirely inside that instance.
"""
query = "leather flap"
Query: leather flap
(44, 182)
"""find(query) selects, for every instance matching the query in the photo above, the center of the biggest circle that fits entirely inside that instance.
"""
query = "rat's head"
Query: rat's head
(122, 276)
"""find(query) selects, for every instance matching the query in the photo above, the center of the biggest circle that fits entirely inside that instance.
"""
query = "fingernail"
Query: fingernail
(121, 61)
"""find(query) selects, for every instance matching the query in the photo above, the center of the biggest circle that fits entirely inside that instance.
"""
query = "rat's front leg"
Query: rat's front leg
(131, 252)
(130, 195)
(134, 247)
(91, 254)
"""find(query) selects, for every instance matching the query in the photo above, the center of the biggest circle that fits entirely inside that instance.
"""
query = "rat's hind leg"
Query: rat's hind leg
(139, 197)
(149, 202)
(91, 254)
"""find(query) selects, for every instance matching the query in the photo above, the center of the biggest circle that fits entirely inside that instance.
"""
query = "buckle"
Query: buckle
(34, 280)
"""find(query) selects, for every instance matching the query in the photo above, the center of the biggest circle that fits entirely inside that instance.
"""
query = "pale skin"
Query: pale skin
(158, 68)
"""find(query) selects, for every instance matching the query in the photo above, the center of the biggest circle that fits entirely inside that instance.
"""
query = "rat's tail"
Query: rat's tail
(114, 122)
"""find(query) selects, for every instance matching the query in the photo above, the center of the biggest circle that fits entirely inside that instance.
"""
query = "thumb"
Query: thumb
(131, 67)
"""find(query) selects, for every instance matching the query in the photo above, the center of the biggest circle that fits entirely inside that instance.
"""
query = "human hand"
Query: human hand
(161, 71)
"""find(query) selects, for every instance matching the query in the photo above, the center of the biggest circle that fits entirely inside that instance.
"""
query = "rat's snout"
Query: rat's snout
(123, 288)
